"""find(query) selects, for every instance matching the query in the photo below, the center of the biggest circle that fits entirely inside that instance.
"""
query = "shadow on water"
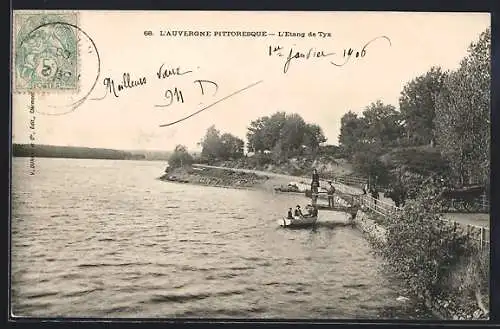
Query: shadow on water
(317, 226)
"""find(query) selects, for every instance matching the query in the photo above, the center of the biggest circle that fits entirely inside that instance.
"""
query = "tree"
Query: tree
(211, 144)
(417, 104)
(383, 124)
(462, 122)
(255, 135)
(180, 157)
(221, 147)
(379, 124)
(284, 135)
(313, 137)
(231, 147)
(352, 132)
(366, 162)
(291, 135)
(273, 129)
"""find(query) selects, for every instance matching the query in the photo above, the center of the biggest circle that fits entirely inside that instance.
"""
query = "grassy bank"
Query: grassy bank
(450, 275)
(438, 262)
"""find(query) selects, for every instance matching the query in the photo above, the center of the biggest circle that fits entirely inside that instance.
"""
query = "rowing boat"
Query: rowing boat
(298, 221)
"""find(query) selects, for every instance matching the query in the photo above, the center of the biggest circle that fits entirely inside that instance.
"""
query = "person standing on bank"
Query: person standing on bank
(375, 194)
(331, 192)
(365, 188)
(315, 186)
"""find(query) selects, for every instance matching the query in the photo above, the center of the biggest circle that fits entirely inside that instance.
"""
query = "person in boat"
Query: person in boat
(310, 210)
(315, 212)
(290, 214)
(315, 185)
(331, 192)
(298, 212)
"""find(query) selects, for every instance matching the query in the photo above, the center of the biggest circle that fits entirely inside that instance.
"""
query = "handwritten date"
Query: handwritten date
(347, 54)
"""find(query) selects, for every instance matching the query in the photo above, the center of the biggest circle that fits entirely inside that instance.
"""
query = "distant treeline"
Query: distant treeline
(52, 151)
(152, 155)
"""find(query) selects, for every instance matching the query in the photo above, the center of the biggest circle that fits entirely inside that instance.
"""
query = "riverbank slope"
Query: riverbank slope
(224, 177)
(456, 301)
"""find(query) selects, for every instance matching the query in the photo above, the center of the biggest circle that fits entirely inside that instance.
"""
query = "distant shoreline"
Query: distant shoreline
(77, 152)
(80, 158)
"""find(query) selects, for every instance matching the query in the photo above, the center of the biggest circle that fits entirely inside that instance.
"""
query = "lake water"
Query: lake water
(104, 238)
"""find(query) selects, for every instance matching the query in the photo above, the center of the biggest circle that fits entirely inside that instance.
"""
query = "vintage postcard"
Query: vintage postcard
(250, 165)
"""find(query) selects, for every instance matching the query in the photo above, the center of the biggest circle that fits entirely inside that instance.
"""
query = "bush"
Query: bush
(434, 258)
(260, 159)
(470, 280)
(368, 164)
(180, 157)
(421, 248)
(424, 161)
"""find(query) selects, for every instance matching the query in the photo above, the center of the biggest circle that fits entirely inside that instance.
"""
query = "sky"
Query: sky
(114, 43)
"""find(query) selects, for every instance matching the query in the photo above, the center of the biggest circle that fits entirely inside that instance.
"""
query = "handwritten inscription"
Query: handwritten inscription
(173, 94)
(212, 104)
(293, 55)
(176, 95)
(127, 83)
(166, 72)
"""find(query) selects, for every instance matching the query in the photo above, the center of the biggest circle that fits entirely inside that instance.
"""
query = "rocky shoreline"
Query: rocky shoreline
(213, 177)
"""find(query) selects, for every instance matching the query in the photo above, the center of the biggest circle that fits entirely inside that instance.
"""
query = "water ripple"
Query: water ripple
(98, 247)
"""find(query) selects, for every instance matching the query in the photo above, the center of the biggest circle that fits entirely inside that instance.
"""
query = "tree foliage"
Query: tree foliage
(180, 157)
(463, 114)
(352, 130)
(230, 147)
(217, 146)
(383, 124)
(284, 135)
(450, 109)
(417, 104)
(366, 161)
(378, 126)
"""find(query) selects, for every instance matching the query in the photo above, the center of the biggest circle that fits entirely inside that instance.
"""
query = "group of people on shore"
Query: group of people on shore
(396, 193)
(372, 189)
(315, 189)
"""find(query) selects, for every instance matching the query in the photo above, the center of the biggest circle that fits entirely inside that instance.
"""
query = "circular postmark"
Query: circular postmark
(56, 60)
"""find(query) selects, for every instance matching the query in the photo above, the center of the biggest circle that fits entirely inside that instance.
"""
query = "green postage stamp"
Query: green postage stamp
(45, 52)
